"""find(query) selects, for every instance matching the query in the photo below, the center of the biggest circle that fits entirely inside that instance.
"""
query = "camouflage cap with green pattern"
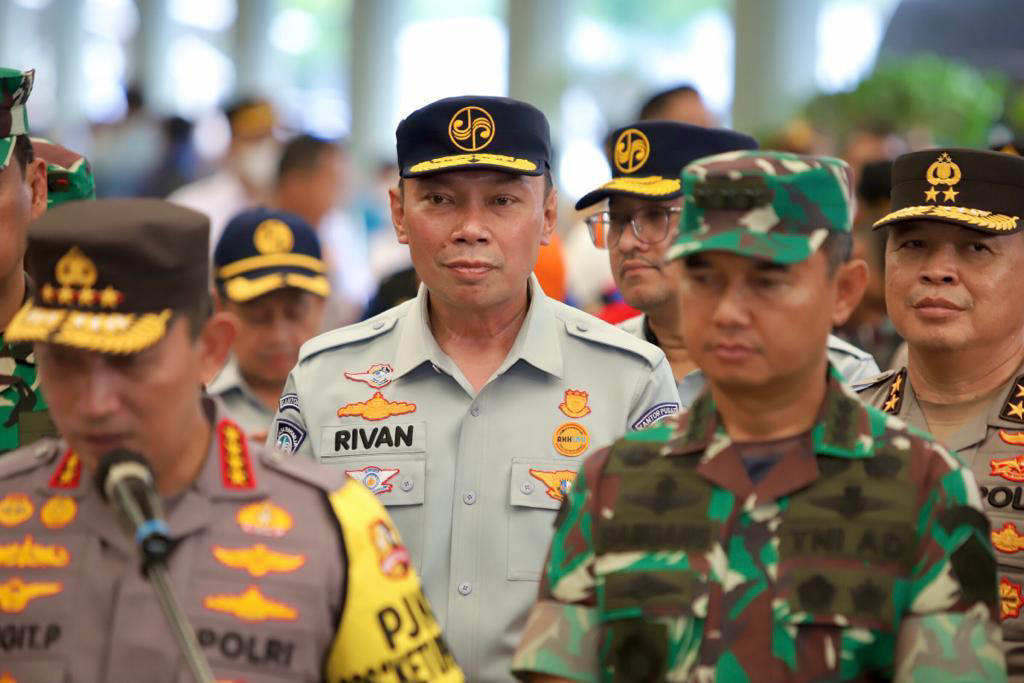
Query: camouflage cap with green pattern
(15, 87)
(68, 173)
(773, 206)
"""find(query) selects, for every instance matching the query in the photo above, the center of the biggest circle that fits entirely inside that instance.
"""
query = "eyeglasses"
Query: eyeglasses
(650, 224)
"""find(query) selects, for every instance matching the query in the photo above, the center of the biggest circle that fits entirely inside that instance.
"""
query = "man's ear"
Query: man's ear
(35, 179)
(215, 343)
(550, 216)
(851, 280)
(398, 214)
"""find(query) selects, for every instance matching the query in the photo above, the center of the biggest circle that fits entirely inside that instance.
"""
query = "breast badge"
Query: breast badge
(258, 560)
(377, 376)
(394, 559)
(374, 478)
(1007, 539)
(58, 512)
(264, 519)
(1012, 438)
(15, 509)
(558, 482)
(16, 594)
(575, 403)
(28, 554)
(251, 606)
(1010, 599)
(1011, 469)
(571, 439)
(377, 408)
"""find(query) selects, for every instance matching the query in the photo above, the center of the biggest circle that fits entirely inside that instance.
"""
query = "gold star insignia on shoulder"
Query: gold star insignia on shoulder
(897, 383)
(895, 399)
(65, 296)
(1013, 407)
(931, 195)
(110, 298)
(949, 195)
(87, 296)
(890, 405)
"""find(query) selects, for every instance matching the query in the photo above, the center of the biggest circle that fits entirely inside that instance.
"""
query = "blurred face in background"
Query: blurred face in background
(638, 264)
(271, 328)
(313, 192)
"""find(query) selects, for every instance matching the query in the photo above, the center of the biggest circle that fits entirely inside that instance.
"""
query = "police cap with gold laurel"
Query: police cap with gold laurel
(972, 188)
(111, 274)
(647, 156)
(474, 133)
(261, 251)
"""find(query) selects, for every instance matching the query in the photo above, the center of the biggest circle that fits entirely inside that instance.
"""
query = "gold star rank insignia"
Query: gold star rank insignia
(895, 400)
(931, 195)
(949, 195)
(1013, 407)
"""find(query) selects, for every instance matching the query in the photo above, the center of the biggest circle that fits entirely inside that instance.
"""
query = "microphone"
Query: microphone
(125, 480)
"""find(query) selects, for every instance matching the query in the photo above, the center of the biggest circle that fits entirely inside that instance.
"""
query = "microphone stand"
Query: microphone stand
(153, 539)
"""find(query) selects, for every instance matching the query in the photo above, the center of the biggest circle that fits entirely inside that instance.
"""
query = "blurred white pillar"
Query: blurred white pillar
(152, 42)
(537, 35)
(69, 43)
(373, 64)
(251, 53)
(776, 50)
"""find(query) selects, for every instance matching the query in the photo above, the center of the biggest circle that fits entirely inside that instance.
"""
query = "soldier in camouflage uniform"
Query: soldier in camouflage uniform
(23, 416)
(952, 291)
(781, 530)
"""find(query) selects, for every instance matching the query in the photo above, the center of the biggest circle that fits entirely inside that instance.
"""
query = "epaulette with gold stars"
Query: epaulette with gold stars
(894, 401)
(235, 465)
(1013, 407)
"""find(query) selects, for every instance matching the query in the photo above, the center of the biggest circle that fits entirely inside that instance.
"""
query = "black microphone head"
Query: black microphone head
(117, 466)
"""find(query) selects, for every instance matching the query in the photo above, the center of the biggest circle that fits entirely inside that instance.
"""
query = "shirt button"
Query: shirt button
(468, 497)
(475, 410)
(379, 324)
(407, 485)
(582, 327)
(526, 488)
(465, 588)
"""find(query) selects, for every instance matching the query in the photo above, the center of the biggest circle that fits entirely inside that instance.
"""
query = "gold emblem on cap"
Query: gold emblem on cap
(273, 236)
(632, 150)
(76, 276)
(943, 171)
(471, 129)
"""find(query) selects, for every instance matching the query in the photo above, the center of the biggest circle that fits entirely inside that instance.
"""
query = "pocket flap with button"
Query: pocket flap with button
(541, 484)
(398, 479)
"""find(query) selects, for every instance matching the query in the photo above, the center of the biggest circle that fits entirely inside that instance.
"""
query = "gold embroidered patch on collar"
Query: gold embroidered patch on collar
(894, 401)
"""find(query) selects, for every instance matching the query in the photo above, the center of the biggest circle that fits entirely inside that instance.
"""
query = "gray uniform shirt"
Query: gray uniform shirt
(472, 479)
(241, 401)
(854, 363)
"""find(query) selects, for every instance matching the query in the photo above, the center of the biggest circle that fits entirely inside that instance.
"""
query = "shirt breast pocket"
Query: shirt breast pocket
(536, 491)
(399, 480)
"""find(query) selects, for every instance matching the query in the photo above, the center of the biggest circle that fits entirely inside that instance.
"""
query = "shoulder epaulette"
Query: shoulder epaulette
(842, 346)
(585, 326)
(1013, 406)
(873, 381)
(39, 454)
(350, 334)
(302, 469)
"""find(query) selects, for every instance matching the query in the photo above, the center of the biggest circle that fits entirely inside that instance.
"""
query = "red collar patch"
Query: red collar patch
(235, 465)
(68, 472)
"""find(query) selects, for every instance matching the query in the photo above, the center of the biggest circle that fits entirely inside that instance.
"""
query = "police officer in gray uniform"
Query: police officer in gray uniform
(469, 409)
(644, 197)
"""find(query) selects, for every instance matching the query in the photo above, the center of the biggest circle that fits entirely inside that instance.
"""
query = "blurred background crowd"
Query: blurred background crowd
(225, 105)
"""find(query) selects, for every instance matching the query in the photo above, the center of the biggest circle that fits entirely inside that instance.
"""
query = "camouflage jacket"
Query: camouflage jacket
(864, 557)
(24, 417)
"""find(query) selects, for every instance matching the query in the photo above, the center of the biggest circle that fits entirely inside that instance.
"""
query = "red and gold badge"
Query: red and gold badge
(1011, 468)
(258, 560)
(571, 439)
(251, 606)
(15, 594)
(1012, 438)
(58, 512)
(1010, 599)
(235, 465)
(395, 560)
(575, 403)
(377, 408)
(68, 472)
(15, 509)
(558, 482)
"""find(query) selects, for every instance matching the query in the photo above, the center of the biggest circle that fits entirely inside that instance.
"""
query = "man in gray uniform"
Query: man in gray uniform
(285, 572)
(468, 410)
(644, 198)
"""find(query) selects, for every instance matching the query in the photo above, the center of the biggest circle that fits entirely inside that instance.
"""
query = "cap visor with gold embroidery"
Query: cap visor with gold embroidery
(475, 162)
(245, 285)
(976, 189)
(114, 333)
(649, 187)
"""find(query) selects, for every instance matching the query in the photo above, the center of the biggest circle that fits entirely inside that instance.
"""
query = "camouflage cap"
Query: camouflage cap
(774, 206)
(15, 87)
(68, 174)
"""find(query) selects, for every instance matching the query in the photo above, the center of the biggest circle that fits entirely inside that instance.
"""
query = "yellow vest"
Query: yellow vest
(387, 630)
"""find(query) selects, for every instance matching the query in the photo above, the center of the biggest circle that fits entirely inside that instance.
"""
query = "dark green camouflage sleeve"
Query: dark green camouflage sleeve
(950, 632)
(561, 634)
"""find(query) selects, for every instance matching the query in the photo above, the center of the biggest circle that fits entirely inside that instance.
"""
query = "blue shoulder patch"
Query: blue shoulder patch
(289, 436)
(656, 413)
